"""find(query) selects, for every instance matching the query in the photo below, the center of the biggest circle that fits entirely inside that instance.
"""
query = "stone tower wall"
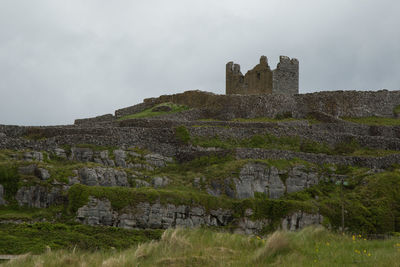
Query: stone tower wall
(286, 76)
(262, 80)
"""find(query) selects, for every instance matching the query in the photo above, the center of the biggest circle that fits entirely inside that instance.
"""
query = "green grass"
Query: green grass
(34, 238)
(202, 247)
(371, 201)
(396, 110)
(375, 121)
(9, 179)
(150, 113)
(14, 212)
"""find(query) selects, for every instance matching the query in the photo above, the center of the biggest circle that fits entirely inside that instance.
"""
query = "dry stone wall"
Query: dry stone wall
(336, 103)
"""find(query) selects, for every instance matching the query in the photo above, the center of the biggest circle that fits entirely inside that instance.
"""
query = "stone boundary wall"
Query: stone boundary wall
(349, 103)
(163, 135)
(330, 138)
(336, 103)
(95, 120)
(133, 109)
(369, 162)
(340, 127)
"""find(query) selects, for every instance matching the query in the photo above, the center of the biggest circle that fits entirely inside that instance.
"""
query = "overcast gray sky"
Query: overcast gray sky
(62, 60)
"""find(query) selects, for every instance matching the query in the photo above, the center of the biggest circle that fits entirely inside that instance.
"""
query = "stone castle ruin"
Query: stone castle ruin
(262, 80)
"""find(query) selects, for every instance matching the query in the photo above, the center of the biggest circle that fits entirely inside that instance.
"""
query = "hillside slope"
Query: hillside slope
(204, 165)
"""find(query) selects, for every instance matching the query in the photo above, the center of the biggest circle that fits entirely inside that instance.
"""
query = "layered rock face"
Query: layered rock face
(103, 177)
(146, 215)
(38, 196)
(259, 178)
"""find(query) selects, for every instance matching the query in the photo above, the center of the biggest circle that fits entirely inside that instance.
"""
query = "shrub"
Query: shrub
(284, 115)
(182, 134)
(346, 147)
(9, 179)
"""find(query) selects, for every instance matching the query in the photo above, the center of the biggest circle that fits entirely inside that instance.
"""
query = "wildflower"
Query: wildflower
(369, 254)
(328, 244)
(354, 238)
(357, 251)
(359, 236)
(365, 252)
(365, 239)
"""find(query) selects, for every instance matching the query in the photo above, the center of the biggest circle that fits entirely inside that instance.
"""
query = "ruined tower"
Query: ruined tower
(262, 80)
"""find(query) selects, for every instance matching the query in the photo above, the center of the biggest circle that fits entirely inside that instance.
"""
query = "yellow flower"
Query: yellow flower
(359, 236)
(365, 239)
(328, 244)
(365, 251)
(369, 254)
(354, 237)
(357, 251)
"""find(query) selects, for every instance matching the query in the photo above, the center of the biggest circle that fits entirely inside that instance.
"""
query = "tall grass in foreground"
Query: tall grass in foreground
(200, 247)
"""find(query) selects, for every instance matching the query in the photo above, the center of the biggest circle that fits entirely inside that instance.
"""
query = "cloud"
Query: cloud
(73, 59)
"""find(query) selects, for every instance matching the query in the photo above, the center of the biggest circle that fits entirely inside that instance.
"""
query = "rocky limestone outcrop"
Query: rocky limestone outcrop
(296, 221)
(42, 173)
(33, 169)
(157, 160)
(2, 200)
(102, 157)
(140, 183)
(120, 157)
(159, 182)
(146, 215)
(33, 156)
(27, 170)
(299, 220)
(162, 216)
(100, 176)
(258, 177)
(39, 196)
(59, 152)
(81, 154)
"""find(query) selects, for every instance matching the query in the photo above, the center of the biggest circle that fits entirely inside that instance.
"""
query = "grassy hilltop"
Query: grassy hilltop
(166, 184)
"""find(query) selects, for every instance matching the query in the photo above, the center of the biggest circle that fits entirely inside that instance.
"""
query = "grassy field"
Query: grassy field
(201, 247)
(150, 112)
(36, 238)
